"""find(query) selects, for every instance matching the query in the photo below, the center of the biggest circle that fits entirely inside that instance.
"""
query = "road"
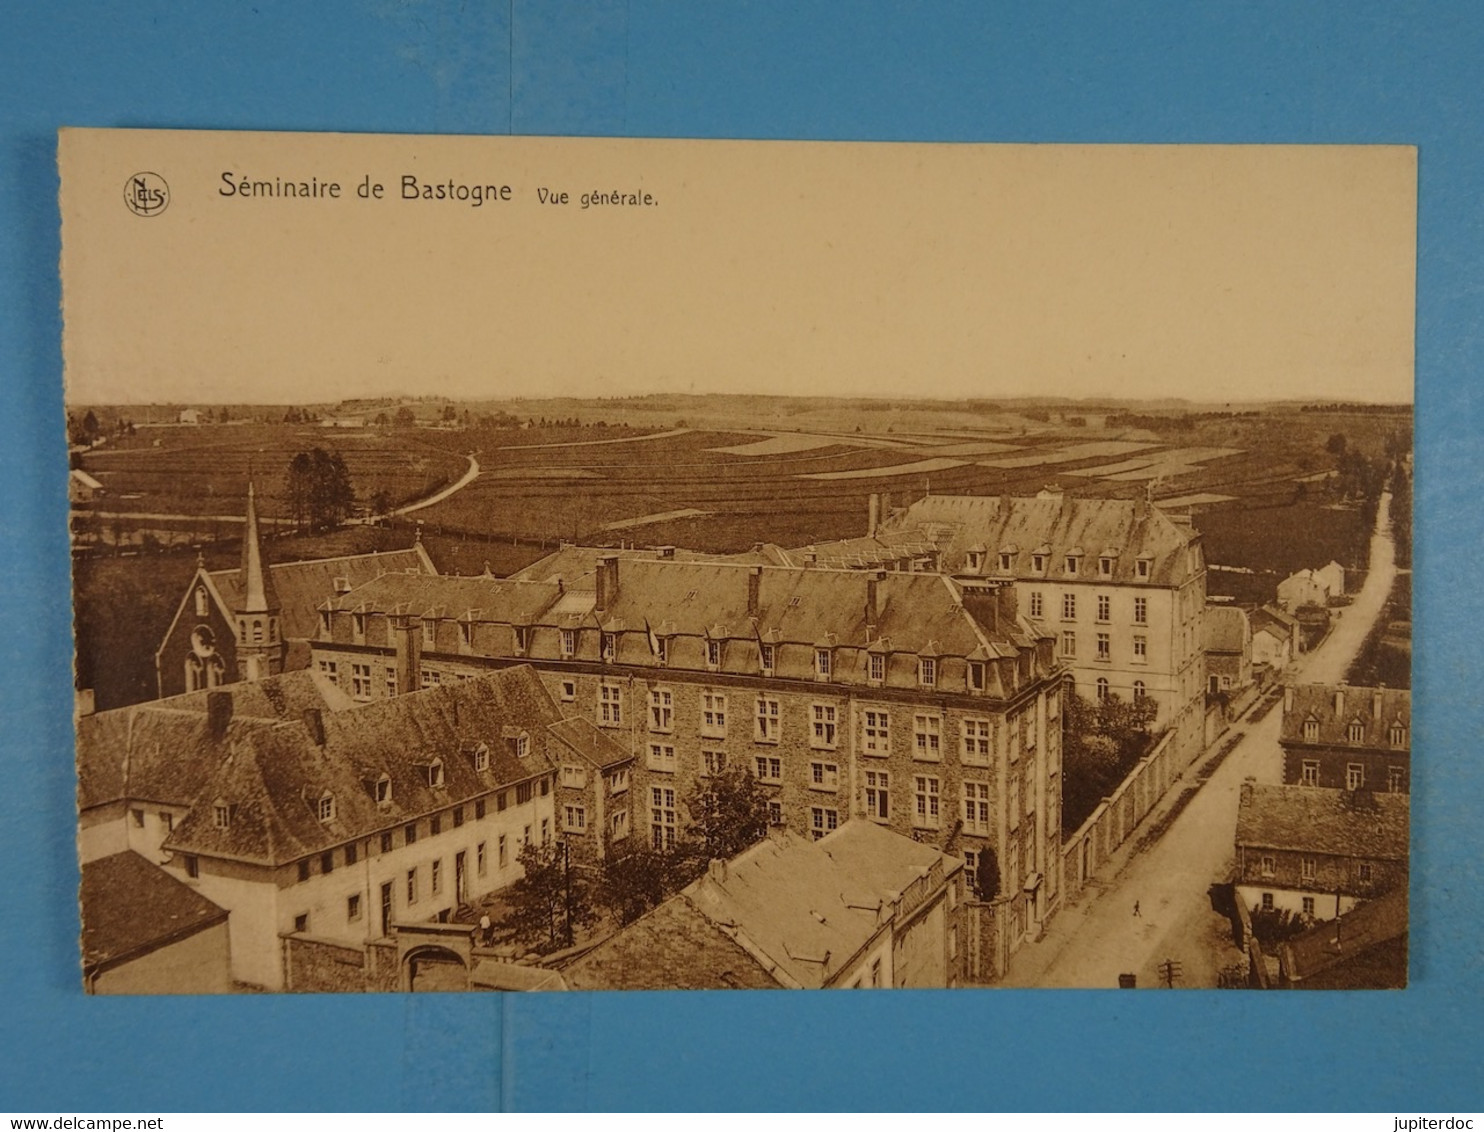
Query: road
(1092, 942)
(439, 496)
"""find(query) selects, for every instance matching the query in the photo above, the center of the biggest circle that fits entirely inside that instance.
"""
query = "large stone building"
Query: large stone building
(1316, 852)
(1118, 583)
(1347, 738)
(860, 908)
(304, 816)
(253, 622)
(925, 704)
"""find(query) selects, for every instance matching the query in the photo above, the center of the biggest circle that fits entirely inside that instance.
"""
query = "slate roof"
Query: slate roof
(1271, 613)
(1315, 819)
(273, 778)
(589, 742)
(1224, 629)
(787, 912)
(302, 586)
(1050, 524)
(133, 907)
(1317, 703)
(1365, 927)
(153, 751)
(577, 566)
(493, 599)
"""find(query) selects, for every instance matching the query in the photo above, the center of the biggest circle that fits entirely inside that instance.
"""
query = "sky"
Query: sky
(1223, 273)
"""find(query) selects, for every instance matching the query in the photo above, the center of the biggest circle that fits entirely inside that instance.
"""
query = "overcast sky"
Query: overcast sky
(1213, 273)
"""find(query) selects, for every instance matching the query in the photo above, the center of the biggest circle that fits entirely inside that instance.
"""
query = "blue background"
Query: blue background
(1091, 72)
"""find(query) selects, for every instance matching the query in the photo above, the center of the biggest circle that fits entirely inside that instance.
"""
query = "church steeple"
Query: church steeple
(257, 583)
(260, 644)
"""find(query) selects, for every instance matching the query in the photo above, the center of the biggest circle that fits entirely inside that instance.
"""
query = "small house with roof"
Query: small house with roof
(1227, 639)
(1276, 637)
(861, 907)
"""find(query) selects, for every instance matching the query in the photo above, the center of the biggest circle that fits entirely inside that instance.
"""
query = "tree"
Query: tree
(1102, 742)
(550, 901)
(728, 812)
(404, 417)
(318, 489)
(633, 882)
(1335, 445)
(987, 876)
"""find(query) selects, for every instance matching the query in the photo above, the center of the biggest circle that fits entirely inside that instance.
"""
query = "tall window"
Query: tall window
(713, 762)
(610, 705)
(822, 821)
(1068, 643)
(618, 825)
(766, 656)
(824, 726)
(822, 663)
(1309, 776)
(1355, 732)
(976, 675)
(713, 654)
(569, 642)
(767, 720)
(608, 647)
(662, 757)
(1102, 688)
(878, 800)
(1311, 730)
(1141, 648)
(713, 714)
(925, 796)
(575, 818)
(1354, 776)
(662, 816)
(1396, 779)
(927, 672)
(1069, 607)
(876, 667)
(1398, 735)
(1308, 868)
(1037, 604)
(1105, 646)
(1072, 565)
(824, 776)
(1140, 689)
(769, 768)
(412, 886)
(1105, 607)
(661, 709)
(360, 681)
(1141, 611)
(927, 737)
(976, 807)
(976, 737)
(875, 732)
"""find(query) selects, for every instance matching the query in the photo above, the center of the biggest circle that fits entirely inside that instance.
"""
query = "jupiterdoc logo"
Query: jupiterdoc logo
(146, 194)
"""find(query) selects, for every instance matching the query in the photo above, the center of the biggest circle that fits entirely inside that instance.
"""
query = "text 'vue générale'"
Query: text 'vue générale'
(411, 187)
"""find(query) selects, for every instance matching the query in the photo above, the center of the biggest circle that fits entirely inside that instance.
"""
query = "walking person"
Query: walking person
(1136, 910)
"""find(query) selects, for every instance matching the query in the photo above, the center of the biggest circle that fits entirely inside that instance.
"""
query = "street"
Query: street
(1098, 937)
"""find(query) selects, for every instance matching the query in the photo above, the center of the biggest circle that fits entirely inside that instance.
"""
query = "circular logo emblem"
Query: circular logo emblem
(146, 194)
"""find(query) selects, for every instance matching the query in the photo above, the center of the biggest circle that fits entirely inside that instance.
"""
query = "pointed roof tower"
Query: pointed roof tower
(257, 581)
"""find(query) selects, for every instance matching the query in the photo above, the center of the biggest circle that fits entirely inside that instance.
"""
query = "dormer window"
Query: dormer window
(481, 756)
(766, 658)
(221, 815)
(662, 649)
(342, 585)
(1038, 563)
(1141, 568)
(435, 773)
(1072, 563)
(381, 789)
(358, 623)
(1355, 732)
(1007, 561)
(927, 671)
(325, 807)
(1311, 730)
(522, 637)
(975, 560)
(713, 654)
(1105, 567)
(520, 744)
(976, 676)
(466, 633)
(608, 647)
(1398, 735)
(430, 632)
(823, 663)
(569, 642)
(876, 667)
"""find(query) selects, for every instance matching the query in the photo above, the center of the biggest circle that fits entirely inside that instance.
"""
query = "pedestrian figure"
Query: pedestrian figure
(1136, 909)
(486, 930)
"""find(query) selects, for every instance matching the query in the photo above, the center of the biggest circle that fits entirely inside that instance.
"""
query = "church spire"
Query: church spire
(257, 582)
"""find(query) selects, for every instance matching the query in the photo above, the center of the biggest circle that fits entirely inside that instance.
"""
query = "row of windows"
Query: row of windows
(1309, 869)
(1036, 607)
(1396, 735)
(1139, 650)
(1396, 776)
(1071, 564)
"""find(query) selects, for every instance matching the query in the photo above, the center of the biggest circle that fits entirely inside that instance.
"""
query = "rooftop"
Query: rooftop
(1314, 819)
(133, 907)
(1362, 930)
(1334, 708)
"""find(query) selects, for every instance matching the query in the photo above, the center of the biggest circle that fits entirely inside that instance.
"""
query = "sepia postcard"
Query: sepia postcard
(509, 563)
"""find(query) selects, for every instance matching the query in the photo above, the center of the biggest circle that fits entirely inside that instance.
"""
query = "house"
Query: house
(1311, 587)
(1276, 638)
(1227, 640)
(81, 487)
(1118, 583)
(144, 932)
(190, 416)
(861, 907)
(1317, 852)
(327, 825)
(1332, 578)
(255, 621)
(1348, 738)
(927, 704)
(1365, 949)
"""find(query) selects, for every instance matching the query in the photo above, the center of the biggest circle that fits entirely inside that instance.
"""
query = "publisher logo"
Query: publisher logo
(146, 194)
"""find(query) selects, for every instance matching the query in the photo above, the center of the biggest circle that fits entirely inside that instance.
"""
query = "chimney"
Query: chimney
(408, 639)
(873, 600)
(754, 590)
(1376, 702)
(218, 712)
(873, 514)
(886, 506)
(1287, 698)
(607, 582)
(1248, 784)
(982, 603)
(1339, 702)
(314, 723)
